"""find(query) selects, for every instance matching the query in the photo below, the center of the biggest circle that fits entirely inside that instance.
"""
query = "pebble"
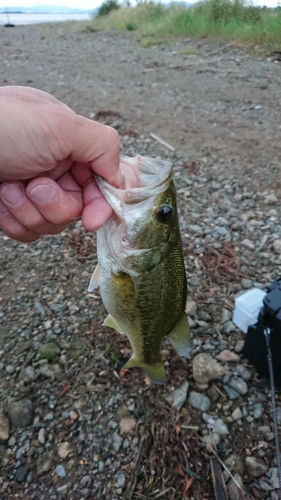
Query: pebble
(116, 441)
(4, 427)
(234, 493)
(60, 471)
(228, 356)
(277, 246)
(205, 368)
(257, 411)
(249, 244)
(235, 464)
(20, 412)
(121, 480)
(42, 436)
(232, 394)
(64, 449)
(239, 385)
(21, 474)
(190, 307)
(246, 283)
(256, 467)
(228, 327)
(199, 401)
(179, 396)
(10, 369)
(226, 315)
(127, 424)
(237, 414)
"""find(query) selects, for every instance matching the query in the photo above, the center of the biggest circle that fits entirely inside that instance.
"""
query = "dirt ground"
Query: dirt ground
(193, 94)
(219, 107)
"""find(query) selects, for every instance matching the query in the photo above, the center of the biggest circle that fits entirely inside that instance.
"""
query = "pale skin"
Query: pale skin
(48, 157)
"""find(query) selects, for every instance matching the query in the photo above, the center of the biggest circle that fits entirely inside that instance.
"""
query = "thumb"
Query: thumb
(98, 145)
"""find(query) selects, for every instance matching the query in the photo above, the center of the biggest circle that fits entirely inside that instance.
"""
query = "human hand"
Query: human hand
(47, 158)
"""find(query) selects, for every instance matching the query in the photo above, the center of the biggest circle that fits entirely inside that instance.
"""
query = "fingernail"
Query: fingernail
(3, 208)
(42, 194)
(12, 194)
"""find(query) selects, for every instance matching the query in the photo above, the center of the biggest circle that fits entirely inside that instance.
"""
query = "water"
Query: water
(18, 19)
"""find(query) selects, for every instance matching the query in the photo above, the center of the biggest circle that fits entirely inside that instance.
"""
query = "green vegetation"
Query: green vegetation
(107, 7)
(228, 19)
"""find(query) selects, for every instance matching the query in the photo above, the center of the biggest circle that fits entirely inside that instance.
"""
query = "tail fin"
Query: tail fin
(179, 337)
(156, 372)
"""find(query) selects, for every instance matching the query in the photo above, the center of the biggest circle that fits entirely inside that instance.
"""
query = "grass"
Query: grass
(220, 19)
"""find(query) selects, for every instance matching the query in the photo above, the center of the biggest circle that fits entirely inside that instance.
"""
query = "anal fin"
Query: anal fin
(179, 337)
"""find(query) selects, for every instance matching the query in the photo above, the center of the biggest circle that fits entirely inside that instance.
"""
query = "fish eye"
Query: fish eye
(165, 213)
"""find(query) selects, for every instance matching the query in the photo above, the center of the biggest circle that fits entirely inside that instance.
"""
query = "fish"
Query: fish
(140, 271)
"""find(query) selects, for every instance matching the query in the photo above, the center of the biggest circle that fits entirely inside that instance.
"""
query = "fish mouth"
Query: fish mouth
(143, 178)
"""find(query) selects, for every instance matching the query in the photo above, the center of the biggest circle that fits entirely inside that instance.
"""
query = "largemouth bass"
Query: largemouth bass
(140, 264)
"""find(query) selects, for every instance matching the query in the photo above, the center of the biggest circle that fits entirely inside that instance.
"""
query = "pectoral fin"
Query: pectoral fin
(179, 337)
(112, 323)
(95, 279)
(155, 372)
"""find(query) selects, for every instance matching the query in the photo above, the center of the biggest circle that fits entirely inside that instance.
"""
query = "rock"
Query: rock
(116, 442)
(239, 385)
(50, 371)
(226, 315)
(127, 424)
(239, 346)
(228, 356)
(60, 471)
(256, 467)
(246, 283)
(195, 228)
(4, 427)
(28, 374)
(211, 440)
(64, 449)
(21, 474)
(20, 412)
(266, 431)
(234, 493)
(190, 307)
(206, 368)
(121, 480)
(42, 436)
(199, 401)
(257, 411)
(235, 464)
(277, 246)
(45, 462)
(232, 394)
(228, 327)
(237, 413)
(249, 244)
(49, 351)
(10, 369)
(220, 427)
(271, 199)
(179, 396)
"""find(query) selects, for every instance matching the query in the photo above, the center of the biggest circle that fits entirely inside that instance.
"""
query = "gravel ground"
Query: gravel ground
(72, 424)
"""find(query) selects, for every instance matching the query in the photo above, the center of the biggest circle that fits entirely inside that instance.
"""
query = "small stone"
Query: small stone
(121, 480)
(277, 246)
(42, 436)
(256, 467)
(271, 199)
(20, 412)
(235, 464)
(239, 346)
(116, 442)
(199, 401)
(228, 327)
(28, 374)
(237, 414)
(21, 474)
(234, 493)
(49, 351)
(239, 385)
(45, 462)
(4, 427)
(73, 415)
(228, 356)
(257, 411)
(220, 427)
(249, 244)
(226, 315)
(190, 307)
(64, 449)
(50, 371)
(195, 228)
(127, 424)
(232, 394)
(60, 471)
(206, 368)
(266, 431)
(211, 440)
(179, 396)
(10, 369)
